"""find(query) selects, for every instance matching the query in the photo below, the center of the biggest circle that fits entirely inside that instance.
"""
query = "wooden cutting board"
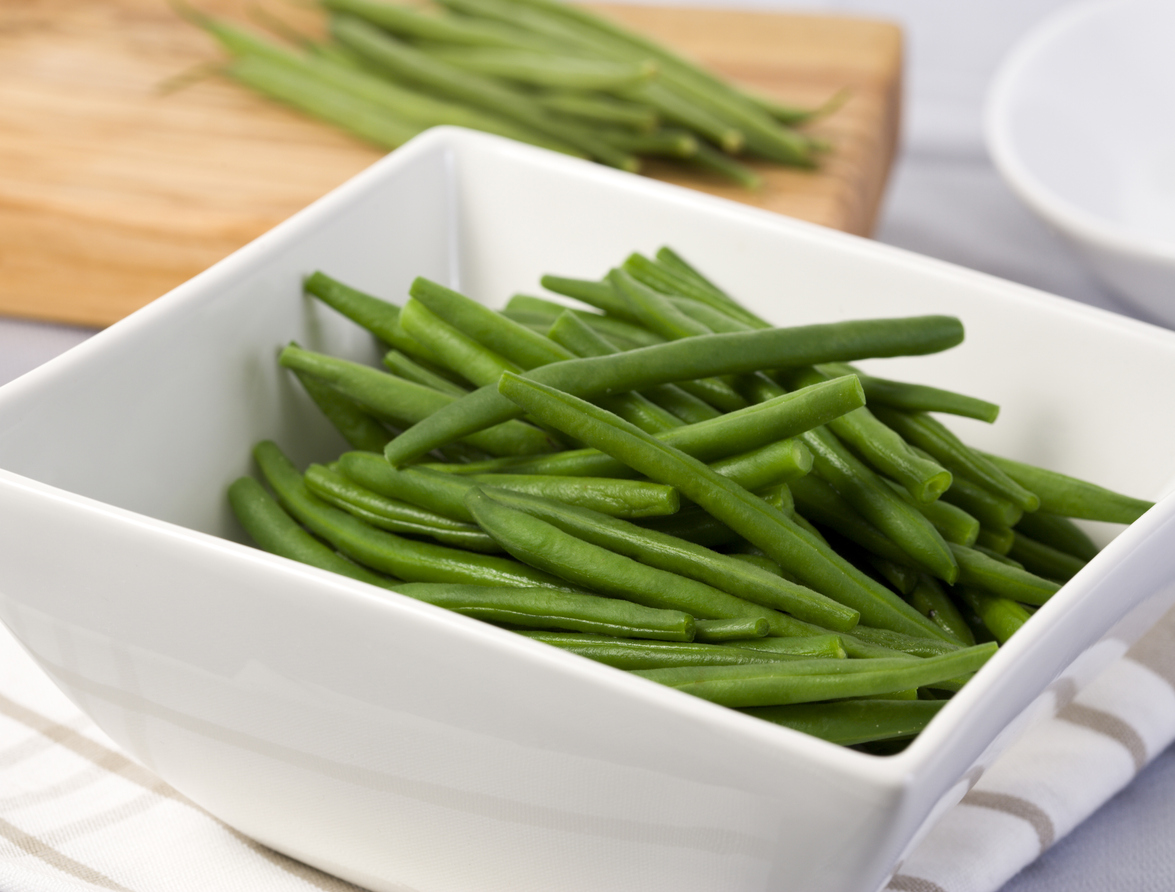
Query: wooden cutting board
(114, 190)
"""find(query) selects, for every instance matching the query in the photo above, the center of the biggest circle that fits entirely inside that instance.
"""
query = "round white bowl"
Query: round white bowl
(1078, 122)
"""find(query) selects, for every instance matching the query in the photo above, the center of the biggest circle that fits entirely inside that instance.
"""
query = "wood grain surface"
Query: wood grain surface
(115, 186)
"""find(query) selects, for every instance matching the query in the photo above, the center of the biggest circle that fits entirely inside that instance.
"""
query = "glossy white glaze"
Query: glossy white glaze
(404, 747)
(1077, 124)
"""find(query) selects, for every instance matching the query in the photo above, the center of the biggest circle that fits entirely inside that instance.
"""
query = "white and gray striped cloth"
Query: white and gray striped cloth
(76, 814)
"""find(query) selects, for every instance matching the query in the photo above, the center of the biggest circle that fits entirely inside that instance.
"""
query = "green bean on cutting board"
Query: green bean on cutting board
(694, 496)
(564, 79)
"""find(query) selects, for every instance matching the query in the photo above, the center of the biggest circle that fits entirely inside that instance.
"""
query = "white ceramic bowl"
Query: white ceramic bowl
(404, 747)
(1079, 123)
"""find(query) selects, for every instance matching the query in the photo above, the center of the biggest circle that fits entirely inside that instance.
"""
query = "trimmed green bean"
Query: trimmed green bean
(884, 449)
(933, 602)
(1058, 532)
(805, 681)
(454, 349)
(927, 433)
(715, 631)
(916, 397)
(984, 572)
(1002, 617)
(909, 644)
(814, 645)
(549, 609)
(404, 367)
(1071, 497)
(955, 524)
(403, 402)
(357, 427)
(997, 539)
(394, 515)
(989, 509)
(1044, 560)
(627, 654)
(268, 524)
(853, 722)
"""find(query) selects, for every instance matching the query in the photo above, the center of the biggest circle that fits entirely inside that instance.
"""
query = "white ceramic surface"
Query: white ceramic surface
(407, 748)
(1078, 122)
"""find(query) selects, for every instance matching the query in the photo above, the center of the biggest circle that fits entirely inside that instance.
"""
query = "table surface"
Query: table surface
(945, 200)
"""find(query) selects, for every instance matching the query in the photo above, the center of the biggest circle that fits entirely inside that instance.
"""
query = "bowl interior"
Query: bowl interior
(1081, 108)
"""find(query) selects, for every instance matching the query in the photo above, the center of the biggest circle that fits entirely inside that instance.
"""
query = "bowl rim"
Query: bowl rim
(998, 133)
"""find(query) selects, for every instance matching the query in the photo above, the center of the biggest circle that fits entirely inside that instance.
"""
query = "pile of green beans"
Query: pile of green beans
(538, 71)
(668, 485)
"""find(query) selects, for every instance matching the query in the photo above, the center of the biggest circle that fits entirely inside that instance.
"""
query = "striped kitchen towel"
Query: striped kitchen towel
(76, 814)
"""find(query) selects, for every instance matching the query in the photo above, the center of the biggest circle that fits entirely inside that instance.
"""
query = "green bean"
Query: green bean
(403, 558)
(445, 493)
(806, 681)
(900, 521)
(580, 338)
(817, 500)
(358, 428)
(982, 571)
(546, 608)
(902, 577)
(927, 433)
(599, 109)
(705, 290)
(713, 161)
(615, 330)
(1071, 497)
(394, 515)
(909, 644)
(658, 315)
(676, 109)
(778, 536)
(626, 654)
(955, 524)
(666, 142)
(742, 628)
(402, 60)
(1000, 558)
(883, 449)
(687, 359)
(600, 295)
(454, 349)
(992, 511)
(997, 539)
(816, 645)
(1058, 532)
(378, 316)
(783, 461)
(669, 553)
(403, 402)
(932, 602)
(515, 345)
(546, 547)
(546, 69)
(916, 397)
(1002, 617)
(275, 531)
(1044, 560)
(404, 367)
(853, 722)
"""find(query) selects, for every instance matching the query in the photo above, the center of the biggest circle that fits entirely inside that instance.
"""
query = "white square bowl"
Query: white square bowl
(404, 747)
